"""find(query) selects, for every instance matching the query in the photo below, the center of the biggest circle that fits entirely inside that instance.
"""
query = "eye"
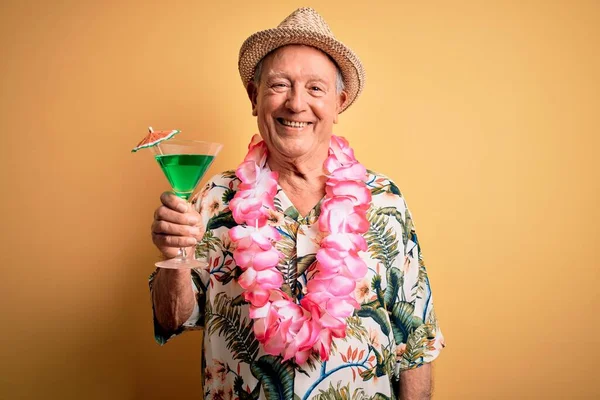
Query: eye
(316, 89)
(278, 85)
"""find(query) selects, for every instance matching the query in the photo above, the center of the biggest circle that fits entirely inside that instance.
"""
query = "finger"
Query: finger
(163, 213)
(173, 202)
(168, 228)
(161, 240)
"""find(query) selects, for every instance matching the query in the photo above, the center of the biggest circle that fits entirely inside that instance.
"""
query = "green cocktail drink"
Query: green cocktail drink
(184, 171)
(184, 163)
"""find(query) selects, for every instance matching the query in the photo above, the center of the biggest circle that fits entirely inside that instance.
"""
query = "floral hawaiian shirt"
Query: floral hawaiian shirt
(395, 328)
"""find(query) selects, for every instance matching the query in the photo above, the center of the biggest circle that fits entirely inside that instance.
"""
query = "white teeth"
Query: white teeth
(294, 124)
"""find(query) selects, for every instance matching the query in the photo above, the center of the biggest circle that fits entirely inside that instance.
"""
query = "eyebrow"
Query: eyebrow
(281, 74)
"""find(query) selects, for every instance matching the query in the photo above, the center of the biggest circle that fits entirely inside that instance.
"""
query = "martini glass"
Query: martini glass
(184, 163)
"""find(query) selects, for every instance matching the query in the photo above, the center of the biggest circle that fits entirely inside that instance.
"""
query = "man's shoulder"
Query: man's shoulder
(381, 184)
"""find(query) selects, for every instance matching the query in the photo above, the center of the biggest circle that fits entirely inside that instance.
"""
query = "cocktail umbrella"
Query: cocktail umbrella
(153, 138)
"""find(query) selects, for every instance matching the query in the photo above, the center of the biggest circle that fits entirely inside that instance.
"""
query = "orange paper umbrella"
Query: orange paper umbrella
(154, 137)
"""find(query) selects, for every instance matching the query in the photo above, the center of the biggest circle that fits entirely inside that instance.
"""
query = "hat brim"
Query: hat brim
(258, 45)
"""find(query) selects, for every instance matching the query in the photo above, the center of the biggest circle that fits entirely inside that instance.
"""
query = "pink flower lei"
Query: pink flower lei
(281, 325)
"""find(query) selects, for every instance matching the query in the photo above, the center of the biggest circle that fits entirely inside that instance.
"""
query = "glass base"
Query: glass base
(178, 263)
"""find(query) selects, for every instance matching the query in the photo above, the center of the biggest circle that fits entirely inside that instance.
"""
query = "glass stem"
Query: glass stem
(182, 253)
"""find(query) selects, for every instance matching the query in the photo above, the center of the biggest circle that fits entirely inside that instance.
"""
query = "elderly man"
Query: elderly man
(315, 287)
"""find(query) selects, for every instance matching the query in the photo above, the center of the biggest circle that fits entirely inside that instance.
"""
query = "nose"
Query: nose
(295, 101)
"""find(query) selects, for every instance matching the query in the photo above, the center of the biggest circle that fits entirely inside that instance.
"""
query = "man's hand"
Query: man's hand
(416, 384)
(176, 224)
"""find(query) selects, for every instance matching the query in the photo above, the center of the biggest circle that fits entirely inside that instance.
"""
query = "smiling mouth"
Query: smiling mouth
(293, 124)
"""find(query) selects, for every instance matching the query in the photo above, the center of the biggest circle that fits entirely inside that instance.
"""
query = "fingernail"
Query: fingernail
(194, 231)
(182, 207)
(193, 220)
(191, 242)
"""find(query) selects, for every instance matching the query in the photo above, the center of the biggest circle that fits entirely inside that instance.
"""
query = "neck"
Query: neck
(305, 171)
(302, 179)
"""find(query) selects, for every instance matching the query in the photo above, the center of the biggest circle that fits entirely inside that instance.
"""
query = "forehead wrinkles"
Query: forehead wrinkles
(299, 61)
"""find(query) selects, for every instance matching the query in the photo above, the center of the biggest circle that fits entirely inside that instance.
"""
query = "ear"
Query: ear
(342, 98)
(252, 91)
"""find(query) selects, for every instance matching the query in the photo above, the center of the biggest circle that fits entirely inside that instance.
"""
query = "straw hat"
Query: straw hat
(303, 26)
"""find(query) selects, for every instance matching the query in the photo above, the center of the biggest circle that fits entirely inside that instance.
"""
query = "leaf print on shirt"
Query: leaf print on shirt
(393, 212)
(288, 265)
(356, 329)
(208, 243)
(381, 239)
(415, 347)
(276, 378)
(345, 393)
(225, 319)
(403, 321)
(223, 219)
(227, 196)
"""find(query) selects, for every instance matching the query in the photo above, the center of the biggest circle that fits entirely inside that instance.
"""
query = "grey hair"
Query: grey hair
(339, 80)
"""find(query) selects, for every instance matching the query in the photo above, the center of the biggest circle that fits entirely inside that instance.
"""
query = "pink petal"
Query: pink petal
(259, 329)
(350, 172)
(332, 323)
(256, 150)
(357, 223)
(329, 259)
(248, 171)
(328, 273)
(266, 259)
(249, 205)
(244, 257)
(318, 297)
(318, 285)
(302, 356)
(259, 312)
(357, 190)
(247, 278)
(359, 242)
(239, 232)
(270, 233)
(304, 335)
(340, 308)
(338, 241)
(355, 267)
(323, 344)
(290, 351)
(257, 298)
(263, 242)
(340, 286)
(275, 346)
(331, 164)
(334, 213)
(269, 279)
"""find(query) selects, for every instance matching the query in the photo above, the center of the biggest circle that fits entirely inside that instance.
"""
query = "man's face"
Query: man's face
(296, 100)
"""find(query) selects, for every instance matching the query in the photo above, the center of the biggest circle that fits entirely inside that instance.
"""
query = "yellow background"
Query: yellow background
(484, 112)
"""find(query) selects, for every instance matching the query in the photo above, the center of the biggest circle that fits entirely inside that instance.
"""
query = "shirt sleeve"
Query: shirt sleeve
(194, 322)
(419, 338)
